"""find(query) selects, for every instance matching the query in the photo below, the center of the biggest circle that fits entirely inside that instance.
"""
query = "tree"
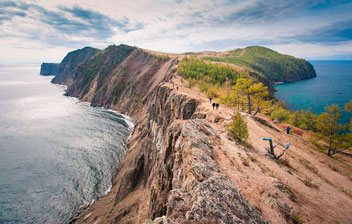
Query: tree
(247, 88)
(280, 115)
(327, 125)
(238, 128)
(297, 118)
(259, 98)
(309, 120)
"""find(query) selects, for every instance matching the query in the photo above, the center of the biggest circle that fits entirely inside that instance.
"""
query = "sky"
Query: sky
(46, 30)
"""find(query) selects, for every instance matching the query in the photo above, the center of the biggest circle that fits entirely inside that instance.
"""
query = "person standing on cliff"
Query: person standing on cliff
(288, 128)
(217, 106)
(213, 105)
(210, 99)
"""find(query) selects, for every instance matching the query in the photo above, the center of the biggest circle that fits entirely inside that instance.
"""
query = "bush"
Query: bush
(191, 83)
(280, 115)
(212, 93)
(204, 86)
(238, 128)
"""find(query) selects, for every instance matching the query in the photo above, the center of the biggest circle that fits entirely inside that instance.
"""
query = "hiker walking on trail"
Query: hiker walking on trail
(217, 106)
(288, 130)
(210, 99)
(213, 105)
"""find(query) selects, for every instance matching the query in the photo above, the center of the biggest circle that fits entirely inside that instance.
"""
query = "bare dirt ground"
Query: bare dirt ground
(305, 185)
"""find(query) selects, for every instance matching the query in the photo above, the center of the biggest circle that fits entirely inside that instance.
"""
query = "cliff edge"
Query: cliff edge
(182, 167)
(169, 174)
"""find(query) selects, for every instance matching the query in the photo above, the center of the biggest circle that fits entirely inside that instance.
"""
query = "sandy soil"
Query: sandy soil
(305, 185)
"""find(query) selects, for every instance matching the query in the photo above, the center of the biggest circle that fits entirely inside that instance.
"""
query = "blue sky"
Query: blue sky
(36, 31)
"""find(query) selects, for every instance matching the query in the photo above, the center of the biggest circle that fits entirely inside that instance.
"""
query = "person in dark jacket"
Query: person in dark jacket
(213, 105)
(210, 99)
(217, 106)
(288, 130)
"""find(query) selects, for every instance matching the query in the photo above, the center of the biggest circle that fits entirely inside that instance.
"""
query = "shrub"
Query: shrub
(238, 128)
(191, 83)
(204, 86)
(280, 115)
(212, 93)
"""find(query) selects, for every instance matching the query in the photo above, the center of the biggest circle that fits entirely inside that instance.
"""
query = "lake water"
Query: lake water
(333, 85)
(56, 154)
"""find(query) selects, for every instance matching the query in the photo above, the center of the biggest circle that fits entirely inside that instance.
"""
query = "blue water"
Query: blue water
(56, 154)
(333, 85)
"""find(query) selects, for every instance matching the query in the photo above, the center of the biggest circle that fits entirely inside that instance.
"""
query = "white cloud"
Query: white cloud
(169, 26)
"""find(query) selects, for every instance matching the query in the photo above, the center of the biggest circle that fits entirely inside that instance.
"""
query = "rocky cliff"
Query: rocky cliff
(169, 174)
(49, 68)
(64, 71)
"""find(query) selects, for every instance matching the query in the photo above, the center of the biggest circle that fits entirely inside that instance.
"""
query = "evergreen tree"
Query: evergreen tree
(248, 89)
(328, 127)
(238, 128)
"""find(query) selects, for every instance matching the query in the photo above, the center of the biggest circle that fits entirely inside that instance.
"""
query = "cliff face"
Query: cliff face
(169, 173)
(68, 66)
(49, 69)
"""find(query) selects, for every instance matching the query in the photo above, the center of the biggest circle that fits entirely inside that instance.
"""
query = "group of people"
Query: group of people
(214, 105)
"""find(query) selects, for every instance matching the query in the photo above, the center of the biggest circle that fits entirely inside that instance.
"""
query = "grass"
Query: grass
(245, 162)
(318, 146)
(308, 181)
(191, 82)
(347, 192)
(289, 214)
(309, 166)
(286, 189)
(297, 218)
(333, 168)
(284, 162)
(252, 158)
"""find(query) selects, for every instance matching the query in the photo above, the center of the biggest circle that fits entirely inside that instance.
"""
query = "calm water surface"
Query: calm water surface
(333, 85)
(56, 154)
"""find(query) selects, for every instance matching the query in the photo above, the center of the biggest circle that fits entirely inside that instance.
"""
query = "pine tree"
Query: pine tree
(247, 88)
(348, 107)
(238, 128)
(327, 125)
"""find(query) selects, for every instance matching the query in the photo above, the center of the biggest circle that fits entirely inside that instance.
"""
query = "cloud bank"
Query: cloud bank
(33, 31)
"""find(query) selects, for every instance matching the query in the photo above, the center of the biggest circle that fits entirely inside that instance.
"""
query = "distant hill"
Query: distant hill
(70, 63)
(49, 68)
(268, 63)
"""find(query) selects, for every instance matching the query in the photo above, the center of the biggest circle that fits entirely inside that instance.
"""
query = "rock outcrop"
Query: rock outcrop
(169, 174)
(65, 70)
(49, 69)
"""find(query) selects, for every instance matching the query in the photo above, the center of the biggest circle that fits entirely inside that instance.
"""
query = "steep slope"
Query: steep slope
(182, 167)
(49, 68)
(70, 63)
(169, 173)
(268, 63)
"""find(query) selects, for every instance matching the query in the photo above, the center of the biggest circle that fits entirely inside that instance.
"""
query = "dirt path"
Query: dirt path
(305, 185)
